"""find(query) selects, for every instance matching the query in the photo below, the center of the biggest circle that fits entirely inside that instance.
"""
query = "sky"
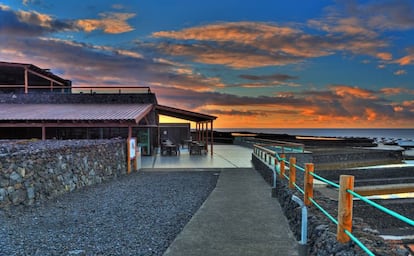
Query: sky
(253, 64)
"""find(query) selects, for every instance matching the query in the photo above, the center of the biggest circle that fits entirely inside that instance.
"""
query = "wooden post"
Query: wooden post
(136, 158)
(43, 133)
(282, 166)
(345, 205)
(212, 139)
(308, 184)
(26, 81)
(128, 157)
(292, 172)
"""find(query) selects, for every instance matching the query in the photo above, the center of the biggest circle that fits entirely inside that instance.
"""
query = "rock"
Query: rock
(3, 194)
(4, 182)
(371, 231)
(21, 171)
(14, 176)
(30, 193)
(17, 196)
(77, 252)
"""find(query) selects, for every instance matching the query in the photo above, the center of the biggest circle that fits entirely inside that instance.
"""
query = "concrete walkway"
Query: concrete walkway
(224, 156)
(238, 218)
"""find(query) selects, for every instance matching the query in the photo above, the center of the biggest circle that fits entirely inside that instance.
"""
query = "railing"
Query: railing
(277, 162)
(81, 89)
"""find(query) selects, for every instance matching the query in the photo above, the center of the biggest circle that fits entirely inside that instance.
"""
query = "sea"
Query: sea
(379, 133)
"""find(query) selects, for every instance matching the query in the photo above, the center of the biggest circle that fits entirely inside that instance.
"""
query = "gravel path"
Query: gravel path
(138, 214)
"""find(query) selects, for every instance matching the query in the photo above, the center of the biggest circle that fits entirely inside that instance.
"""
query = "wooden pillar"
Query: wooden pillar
(43, 133)
(26, 81)
(128, 157)
(282, 166)
(345, 205)
(308, 184)
(129, 132)
(212, 137)
(292, 172)
(197, 131)
(202, 131)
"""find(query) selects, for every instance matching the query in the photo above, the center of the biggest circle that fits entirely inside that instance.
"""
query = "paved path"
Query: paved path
(238, 218)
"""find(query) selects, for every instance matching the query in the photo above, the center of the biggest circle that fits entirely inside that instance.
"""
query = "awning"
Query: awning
(131, 113)
(183, 114)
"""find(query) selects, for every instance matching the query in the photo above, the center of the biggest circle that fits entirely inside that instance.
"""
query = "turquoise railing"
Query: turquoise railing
(270, 155)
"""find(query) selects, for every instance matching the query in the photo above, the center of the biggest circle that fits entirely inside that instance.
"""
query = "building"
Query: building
(34, 103)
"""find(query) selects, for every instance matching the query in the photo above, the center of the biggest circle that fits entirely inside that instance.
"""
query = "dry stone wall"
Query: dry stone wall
(31, 171)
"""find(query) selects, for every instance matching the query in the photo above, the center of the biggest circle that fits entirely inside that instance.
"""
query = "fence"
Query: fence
(274, 157)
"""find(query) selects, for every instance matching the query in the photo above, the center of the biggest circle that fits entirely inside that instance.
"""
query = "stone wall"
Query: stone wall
(321, 232)
(31, 171)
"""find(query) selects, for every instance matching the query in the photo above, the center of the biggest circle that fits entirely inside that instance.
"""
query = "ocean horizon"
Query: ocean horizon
(376, 133)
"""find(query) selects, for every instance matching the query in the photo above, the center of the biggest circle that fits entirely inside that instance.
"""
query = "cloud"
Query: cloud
(23, 23)
(243, 44)
(400, 72)
(390, 14)
(274, 77)
(349, 91)
(364, 25)
(111, 23)
(396, 91)
(384, 56)
(406, 60)
(32, 23)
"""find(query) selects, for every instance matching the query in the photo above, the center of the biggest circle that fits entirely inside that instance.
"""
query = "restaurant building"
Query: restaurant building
(34, 103)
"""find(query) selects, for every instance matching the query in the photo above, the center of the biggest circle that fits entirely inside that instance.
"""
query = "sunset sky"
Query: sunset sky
(262, 63)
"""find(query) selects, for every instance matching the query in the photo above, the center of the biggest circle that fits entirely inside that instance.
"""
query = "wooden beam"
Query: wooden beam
(384, 189)
(43, 76)
(26, 81)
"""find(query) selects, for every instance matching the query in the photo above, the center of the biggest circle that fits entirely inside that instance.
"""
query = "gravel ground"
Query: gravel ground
(138, 214)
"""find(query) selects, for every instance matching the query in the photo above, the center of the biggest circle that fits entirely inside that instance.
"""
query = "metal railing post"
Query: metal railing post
(303, 247)
(274, 170)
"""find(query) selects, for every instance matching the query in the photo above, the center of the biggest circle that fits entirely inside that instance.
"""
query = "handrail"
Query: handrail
(91, 89)
(275, 154)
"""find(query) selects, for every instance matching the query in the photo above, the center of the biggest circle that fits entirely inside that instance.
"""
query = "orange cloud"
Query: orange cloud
(255, 44)
(35, 18)
(112, 23)
(349, 25)
(370, 114)
(392, 91)
(406, 60)
(344, 90)
(384, 56)
(244, 44)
